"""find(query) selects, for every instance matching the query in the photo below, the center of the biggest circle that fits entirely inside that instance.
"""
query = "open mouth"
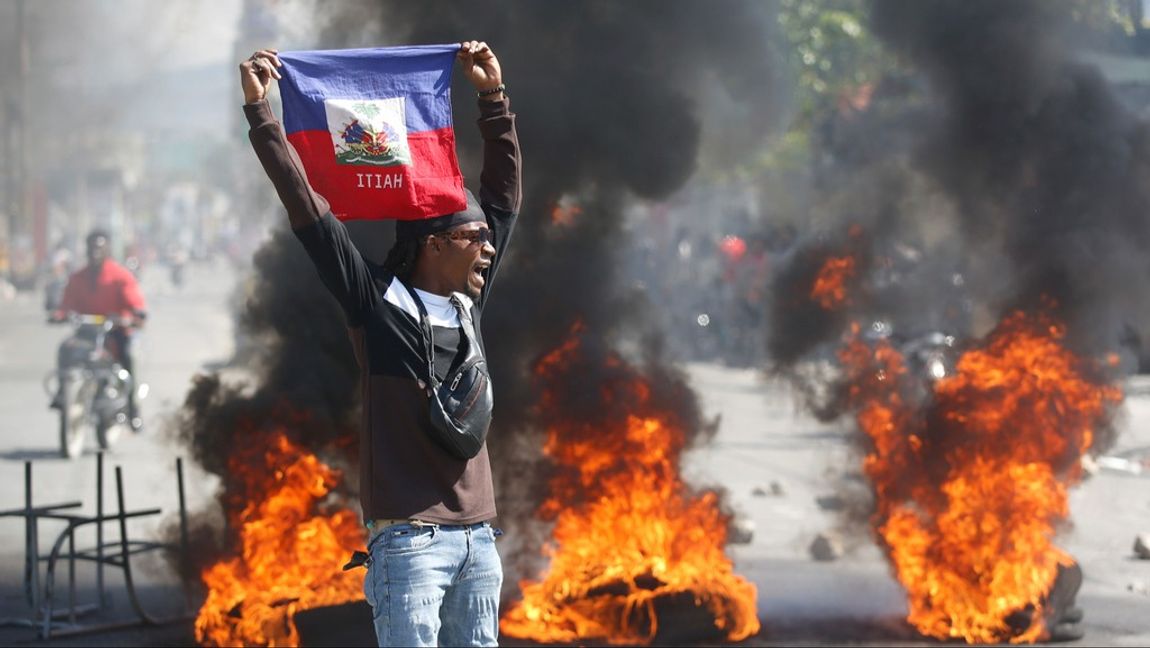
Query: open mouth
(477, 274)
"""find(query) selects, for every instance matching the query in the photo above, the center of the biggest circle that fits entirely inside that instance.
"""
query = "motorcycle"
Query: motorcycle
(90, 387)
(929, 356)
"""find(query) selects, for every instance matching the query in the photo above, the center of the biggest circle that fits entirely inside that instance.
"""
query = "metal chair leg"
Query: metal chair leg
(31, 544)
(129, 581)
(101, 591)
(185, 552)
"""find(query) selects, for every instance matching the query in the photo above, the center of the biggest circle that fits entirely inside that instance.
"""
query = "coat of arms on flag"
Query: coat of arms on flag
(373, 129)
(368, 132)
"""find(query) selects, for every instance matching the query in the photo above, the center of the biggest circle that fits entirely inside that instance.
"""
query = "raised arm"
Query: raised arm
(341, 267)
(499, 181)
(279, 159)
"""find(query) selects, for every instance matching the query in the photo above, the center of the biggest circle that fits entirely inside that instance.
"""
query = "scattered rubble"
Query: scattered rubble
(826, 548)
(1121, 464)
(775, 489)
(831, 502)
(1142, 546)
(1090, 466)
(741, 531)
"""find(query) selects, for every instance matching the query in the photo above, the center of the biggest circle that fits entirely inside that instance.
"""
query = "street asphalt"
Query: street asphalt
(764, 437)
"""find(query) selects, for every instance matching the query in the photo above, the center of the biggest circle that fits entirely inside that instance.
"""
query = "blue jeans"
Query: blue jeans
(434, 584)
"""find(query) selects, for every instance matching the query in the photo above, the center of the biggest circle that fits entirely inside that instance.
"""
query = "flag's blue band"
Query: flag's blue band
(420, 73)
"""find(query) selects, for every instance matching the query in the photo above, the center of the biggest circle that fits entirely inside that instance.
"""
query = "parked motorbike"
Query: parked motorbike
(89, 387)
(929, 357)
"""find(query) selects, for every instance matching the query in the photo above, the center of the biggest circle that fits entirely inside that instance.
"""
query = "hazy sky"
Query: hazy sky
(115, 42)
(139, 36)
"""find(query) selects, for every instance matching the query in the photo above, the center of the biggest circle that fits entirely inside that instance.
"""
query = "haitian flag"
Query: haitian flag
(373, 129)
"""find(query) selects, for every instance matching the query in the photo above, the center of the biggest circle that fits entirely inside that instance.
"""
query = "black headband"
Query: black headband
(416, 229)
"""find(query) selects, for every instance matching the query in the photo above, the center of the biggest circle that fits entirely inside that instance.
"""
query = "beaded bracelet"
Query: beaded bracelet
(491, 91)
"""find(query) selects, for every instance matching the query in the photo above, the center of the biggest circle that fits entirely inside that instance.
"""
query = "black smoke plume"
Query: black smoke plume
(1037, 152)
(612, 100)
(1019, 157)
(1011, 178)
(1012, 182)
(611, 104)
(300, 376)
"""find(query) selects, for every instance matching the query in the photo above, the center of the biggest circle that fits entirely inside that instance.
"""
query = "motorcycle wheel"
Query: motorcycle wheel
(75, 415)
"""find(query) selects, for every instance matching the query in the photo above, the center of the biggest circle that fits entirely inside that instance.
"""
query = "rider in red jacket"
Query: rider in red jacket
(105, 287)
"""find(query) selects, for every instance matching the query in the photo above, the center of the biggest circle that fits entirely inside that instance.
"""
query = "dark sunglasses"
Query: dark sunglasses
(485, 235)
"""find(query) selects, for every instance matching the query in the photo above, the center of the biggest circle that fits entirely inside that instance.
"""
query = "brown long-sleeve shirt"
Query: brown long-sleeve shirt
(403, 473)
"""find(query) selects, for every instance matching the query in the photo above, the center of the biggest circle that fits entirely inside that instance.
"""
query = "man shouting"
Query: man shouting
(425, 480)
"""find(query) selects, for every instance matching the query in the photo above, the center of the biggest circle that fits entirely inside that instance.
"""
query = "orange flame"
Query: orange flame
(565, 215)
(291, 548)
(629, 535)
(830, 289)
(969, 495)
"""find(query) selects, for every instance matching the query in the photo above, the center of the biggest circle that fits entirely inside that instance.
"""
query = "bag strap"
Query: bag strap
(467, 329)
(428, 337)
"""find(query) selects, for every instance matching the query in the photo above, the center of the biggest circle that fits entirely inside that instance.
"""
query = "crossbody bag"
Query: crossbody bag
(460, 405)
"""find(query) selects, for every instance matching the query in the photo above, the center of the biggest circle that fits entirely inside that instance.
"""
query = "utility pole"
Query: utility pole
(22, 114)
(17, 119)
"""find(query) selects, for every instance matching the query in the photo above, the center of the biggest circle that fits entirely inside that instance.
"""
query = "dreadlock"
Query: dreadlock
(402, 257)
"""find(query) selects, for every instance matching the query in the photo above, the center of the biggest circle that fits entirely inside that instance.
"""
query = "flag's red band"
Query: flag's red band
(430, 186)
